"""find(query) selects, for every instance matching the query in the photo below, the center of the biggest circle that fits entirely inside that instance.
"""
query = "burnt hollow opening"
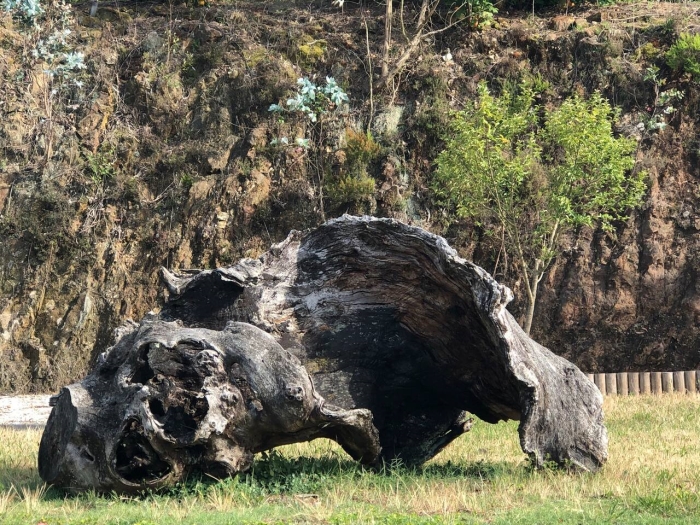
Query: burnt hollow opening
(156, 407)
(85, 454)
(182, 419)
(177, 367)
(136, 461)
(176, 399)
(393, 372)
(143, 372)
(211, 310)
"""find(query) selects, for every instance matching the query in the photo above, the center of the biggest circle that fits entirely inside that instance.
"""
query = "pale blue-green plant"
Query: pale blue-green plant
(54, 52)
(312, 100)
(284, 141)
(303, 142)
(26, 10)
(663, 106)
(333, 91)
(73, 61)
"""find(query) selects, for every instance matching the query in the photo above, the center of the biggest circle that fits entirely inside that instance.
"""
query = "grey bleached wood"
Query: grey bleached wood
(389, 318)
(167, 401)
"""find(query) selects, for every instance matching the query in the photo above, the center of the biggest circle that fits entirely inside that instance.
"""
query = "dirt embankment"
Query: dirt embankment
(163, 152)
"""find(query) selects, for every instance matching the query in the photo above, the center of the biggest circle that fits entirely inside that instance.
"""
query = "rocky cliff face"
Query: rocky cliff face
(631, 301)
(163, 152)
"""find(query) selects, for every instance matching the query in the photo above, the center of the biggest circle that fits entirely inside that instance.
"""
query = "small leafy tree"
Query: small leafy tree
(535, 180)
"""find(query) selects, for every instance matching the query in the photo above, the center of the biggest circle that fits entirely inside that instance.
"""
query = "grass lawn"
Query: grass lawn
(652, 476)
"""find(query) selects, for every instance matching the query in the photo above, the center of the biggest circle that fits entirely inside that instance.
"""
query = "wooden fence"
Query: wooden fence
(641, 383)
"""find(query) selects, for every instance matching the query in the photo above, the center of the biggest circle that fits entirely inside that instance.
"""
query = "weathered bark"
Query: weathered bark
(167, 400)
(388, 318)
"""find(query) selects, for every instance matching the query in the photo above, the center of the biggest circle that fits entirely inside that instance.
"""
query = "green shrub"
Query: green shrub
(532, 181)
(351, 189)
(684, 55)
(479, 13)
(100, 165)
(361, 148)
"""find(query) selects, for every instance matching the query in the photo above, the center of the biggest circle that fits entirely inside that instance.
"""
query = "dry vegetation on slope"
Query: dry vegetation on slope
(165, 155)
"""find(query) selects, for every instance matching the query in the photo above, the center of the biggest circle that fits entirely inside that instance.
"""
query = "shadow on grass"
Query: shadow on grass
(274, 464)
(19, 477)
(274, 474)
(482, 470)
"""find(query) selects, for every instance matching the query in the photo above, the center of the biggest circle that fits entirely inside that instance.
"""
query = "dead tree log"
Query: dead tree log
(388, 317)
(167, 400)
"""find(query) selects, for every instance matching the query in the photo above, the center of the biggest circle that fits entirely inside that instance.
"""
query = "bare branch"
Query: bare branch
(427, 11)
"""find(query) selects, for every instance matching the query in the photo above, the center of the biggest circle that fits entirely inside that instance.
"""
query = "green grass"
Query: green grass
(652, 476)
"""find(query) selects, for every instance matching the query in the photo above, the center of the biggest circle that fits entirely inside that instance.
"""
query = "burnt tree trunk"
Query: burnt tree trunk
(388, 317)
(166, 401)
(383, 320)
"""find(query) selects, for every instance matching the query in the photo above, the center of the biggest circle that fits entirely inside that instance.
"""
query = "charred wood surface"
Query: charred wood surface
(387, 317)
(167, 401)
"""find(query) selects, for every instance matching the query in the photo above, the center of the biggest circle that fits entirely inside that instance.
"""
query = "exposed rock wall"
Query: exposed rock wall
(632, 301)
(165, 157)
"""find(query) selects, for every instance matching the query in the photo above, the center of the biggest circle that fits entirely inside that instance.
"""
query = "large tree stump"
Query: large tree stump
(167, 400)
(387, 317)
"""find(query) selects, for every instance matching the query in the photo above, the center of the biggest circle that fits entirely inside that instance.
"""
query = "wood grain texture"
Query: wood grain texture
(389, 318)
(167, 401)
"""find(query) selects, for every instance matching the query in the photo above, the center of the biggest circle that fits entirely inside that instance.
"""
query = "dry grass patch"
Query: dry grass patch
(652, 476)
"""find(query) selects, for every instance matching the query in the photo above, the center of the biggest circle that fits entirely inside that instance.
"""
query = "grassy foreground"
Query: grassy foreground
(653, 476)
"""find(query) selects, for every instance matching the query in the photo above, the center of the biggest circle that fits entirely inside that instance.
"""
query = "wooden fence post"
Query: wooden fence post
(633, 382)
(645, 383)
(611, 384)
(622, 384)
(690, 384)
(667, 381)
(600, 382)
(679, 382)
